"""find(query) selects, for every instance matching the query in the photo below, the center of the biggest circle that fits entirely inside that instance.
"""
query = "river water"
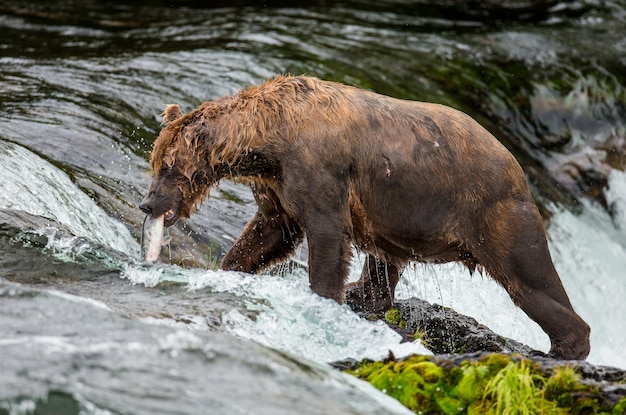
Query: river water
(86, 327)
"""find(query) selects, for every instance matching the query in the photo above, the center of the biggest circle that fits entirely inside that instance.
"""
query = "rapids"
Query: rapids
(87, 327)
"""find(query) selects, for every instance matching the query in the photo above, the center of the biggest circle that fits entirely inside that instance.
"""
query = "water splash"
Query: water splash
(288, 315)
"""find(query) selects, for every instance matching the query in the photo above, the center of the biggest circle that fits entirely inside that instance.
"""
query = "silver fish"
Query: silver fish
(153, 235)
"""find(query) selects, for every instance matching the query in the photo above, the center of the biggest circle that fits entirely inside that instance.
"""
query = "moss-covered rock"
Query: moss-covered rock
(514, 380)
(490, 383)
(394, 318)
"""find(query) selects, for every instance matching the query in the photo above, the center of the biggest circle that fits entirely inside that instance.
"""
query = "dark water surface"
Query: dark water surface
(82, 86)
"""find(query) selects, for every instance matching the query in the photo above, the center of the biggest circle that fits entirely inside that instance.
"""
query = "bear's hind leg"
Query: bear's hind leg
(375, 290)
(265, 241)
(514, 251)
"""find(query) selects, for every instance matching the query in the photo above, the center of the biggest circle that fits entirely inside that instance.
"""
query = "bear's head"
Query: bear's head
(182, 176)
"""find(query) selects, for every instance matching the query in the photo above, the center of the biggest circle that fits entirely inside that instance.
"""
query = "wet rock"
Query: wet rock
(443, 330)
(585, 172)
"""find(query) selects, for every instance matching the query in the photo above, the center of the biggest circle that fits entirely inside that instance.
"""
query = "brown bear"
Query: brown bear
(400, 180)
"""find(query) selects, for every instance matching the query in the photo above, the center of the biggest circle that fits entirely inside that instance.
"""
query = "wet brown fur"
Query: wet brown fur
(400, 180)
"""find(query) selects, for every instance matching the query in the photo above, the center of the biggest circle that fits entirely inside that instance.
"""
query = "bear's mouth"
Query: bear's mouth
(171, 216)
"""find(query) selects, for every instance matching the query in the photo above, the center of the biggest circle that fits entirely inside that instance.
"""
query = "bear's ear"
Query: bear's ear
(171, 113)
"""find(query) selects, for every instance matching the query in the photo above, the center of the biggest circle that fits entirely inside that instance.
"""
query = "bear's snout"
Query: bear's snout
(146, 206)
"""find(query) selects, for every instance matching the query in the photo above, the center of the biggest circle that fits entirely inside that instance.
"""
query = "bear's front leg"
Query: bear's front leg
(265, 241)
(375, 290)
(329, 258)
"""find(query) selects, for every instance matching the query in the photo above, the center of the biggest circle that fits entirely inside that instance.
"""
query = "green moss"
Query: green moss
(494, 384)
(420, 335)
(620, 408)
(564, 388)
(392, 316)
(516, 389)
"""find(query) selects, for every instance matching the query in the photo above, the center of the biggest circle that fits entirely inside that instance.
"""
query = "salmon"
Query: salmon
(153, 235)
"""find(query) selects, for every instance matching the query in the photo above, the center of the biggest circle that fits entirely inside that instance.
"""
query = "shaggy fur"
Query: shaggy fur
(400, 180)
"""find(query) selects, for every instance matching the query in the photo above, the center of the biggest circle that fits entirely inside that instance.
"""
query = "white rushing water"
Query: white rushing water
(290, 316)
(44, 190)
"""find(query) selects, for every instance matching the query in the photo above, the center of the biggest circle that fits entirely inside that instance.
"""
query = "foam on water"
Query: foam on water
(290, 316)
(31, 184)
(295, 319)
